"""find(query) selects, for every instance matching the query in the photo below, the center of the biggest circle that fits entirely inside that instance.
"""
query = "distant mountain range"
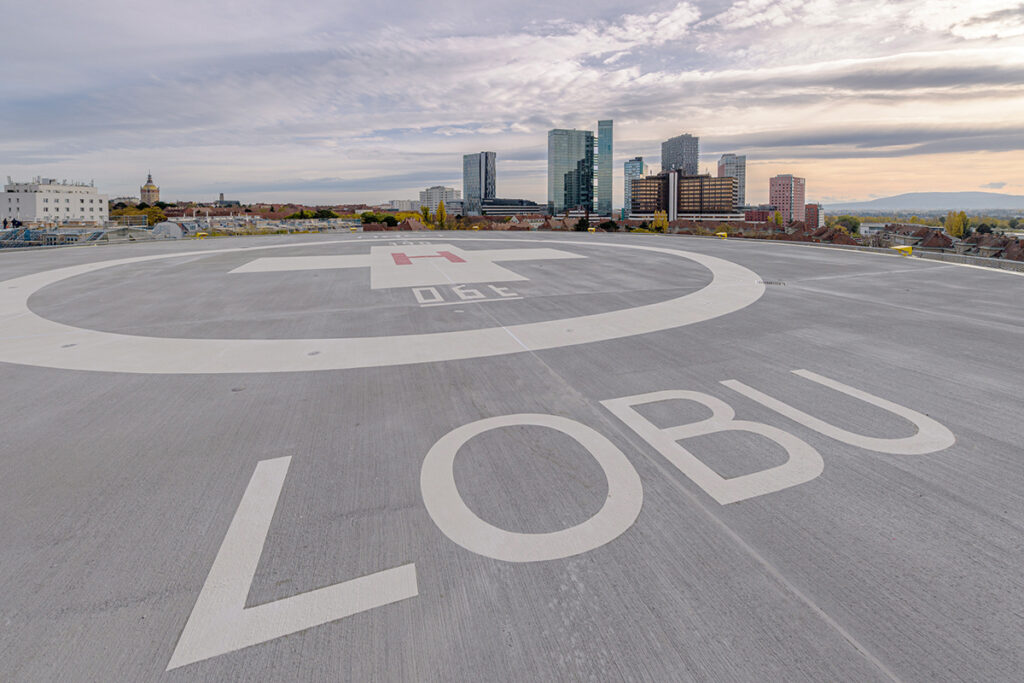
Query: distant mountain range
(936, 201)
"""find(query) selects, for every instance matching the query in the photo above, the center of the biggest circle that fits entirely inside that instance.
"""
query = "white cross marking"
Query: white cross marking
(416, 265)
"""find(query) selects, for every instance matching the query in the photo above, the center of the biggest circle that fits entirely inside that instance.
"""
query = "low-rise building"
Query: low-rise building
(44, 200)
(509, 207)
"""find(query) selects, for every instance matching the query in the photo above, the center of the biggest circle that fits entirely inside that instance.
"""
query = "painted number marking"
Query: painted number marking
(458, 294)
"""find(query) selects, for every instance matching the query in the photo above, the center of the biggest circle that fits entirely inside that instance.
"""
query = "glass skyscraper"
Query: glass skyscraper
(733, 166)
(681, 153)
(479, 180)
(634, 168)
(604, 167)
(570, 170)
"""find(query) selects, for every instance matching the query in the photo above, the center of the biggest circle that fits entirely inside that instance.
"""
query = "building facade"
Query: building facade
(814, 216)
(570, 170)
(404, 205)
(649, 194)
(735, 166)
(479, 179)
(46, 200)
(510, 207)
(605, 144)
(632, 169)
(705, 194)
(787, 192)
(681, 153)
(432, 196)
(677, 194)
(149, 192)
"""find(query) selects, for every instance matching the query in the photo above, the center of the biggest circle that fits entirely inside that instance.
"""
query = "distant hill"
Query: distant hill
(936, 201)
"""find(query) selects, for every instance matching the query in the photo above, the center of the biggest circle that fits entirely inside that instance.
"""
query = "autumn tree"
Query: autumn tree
(850, 223)
(425, 212)
(442, 215)
(660, 223)
(957, 224)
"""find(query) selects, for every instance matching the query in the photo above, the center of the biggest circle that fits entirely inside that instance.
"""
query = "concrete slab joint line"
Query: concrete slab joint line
(29, 339)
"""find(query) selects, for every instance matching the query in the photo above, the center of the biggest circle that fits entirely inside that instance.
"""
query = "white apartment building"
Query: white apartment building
(432, 196)
(404, 205)
(46, 200)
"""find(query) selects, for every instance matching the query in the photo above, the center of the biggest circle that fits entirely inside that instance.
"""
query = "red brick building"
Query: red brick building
(787, 192)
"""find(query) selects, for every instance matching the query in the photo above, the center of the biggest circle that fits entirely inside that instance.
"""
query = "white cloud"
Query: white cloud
(318, 92)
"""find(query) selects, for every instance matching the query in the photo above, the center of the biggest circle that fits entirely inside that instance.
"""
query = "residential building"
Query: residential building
(762, 214)
(479, 180)
(149, 192)
(403, 205)
(432, 196)
(570, 170)
(678, 194)
(605, 139)
(814, 216)
(787, 192)
(735, 166)
(45, 200)
(634, 168)
(681, 153)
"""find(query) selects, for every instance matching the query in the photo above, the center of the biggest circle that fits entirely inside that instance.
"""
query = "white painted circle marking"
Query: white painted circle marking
(453, 517)
(29, 339)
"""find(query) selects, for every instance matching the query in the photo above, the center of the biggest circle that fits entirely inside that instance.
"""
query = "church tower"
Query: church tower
(149, 193)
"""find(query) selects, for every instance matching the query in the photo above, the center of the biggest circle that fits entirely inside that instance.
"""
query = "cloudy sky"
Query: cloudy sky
(325, 101)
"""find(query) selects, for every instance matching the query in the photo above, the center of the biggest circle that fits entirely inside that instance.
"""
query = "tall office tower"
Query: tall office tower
(604, 167)
(479, 180)
(634, 168)
(681, 153)
(786, 192)
(733, 166)
(570, 169)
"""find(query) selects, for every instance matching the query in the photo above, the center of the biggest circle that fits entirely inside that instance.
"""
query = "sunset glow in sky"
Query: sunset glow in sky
(328, 102)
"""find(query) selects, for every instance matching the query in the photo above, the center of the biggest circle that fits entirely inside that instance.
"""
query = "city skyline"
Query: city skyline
(323, 104)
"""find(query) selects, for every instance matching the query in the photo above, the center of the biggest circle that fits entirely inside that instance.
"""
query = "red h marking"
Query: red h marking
(402, 259)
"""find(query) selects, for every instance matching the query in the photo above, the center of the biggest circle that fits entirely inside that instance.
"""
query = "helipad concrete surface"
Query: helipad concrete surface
(516, 456)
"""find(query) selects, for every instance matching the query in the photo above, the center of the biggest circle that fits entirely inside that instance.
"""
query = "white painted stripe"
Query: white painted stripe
(29, 339)
(220, 621)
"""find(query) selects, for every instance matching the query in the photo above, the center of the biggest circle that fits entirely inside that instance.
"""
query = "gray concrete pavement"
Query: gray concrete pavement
(214, 522)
